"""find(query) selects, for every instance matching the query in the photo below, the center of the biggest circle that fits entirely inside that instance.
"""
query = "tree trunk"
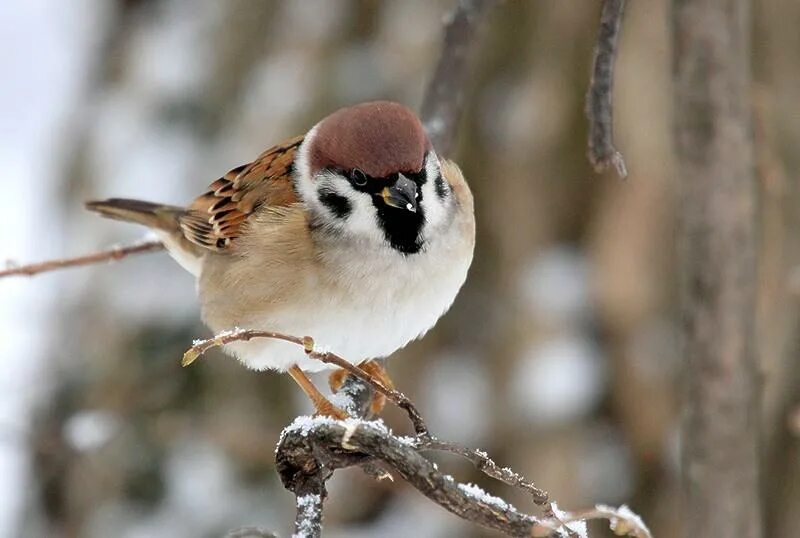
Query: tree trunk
(711, 44)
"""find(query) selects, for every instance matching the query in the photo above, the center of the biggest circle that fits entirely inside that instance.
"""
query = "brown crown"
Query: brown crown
(379, 138)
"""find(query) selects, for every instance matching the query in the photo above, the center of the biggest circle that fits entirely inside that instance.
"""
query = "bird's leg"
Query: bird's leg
(373, 369)
(322, 405)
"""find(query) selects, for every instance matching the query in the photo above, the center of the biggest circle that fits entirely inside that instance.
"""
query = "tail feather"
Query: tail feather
(159, 216)
(164, 219)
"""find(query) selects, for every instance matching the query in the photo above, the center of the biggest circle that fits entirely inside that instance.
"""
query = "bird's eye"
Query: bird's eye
(358, 178)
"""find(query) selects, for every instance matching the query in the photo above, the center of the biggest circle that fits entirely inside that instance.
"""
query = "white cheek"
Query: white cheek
(361, 221)
(302, 175)
(363, 217)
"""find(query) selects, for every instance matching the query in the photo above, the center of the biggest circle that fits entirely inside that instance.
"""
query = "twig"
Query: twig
(623, 521)
(487, 466)
(240, 335)
(443, 102)
(112, 254)
(599, 98)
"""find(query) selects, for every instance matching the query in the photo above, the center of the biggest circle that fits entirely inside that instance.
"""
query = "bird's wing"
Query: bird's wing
(215, 219)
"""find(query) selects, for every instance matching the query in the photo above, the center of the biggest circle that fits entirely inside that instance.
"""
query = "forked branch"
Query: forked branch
(311, 449)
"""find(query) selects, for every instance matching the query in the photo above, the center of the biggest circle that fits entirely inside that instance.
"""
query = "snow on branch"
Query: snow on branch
(311, 449)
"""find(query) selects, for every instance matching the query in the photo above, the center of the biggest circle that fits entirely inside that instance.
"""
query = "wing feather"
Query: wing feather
(215, 218)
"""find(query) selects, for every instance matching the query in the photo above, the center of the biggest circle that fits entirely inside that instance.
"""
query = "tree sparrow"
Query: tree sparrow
(356, 234)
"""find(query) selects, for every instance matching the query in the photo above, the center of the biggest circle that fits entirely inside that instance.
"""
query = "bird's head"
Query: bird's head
(370, 172)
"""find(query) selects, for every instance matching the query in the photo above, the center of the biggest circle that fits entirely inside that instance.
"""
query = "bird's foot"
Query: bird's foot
(325, 408)
(376, 372)
(322, 405)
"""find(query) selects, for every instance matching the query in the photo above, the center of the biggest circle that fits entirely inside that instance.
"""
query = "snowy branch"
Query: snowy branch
(311, 449)
(599, 99)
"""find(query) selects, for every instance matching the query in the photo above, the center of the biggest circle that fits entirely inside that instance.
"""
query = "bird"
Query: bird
(357, 233)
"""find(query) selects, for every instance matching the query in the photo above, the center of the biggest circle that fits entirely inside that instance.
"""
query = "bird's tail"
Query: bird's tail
(158, 216)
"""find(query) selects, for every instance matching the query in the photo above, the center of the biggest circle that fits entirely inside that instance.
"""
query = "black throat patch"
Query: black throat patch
(401, 227)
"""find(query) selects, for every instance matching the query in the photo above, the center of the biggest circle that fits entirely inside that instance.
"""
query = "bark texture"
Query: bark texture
(717, 230)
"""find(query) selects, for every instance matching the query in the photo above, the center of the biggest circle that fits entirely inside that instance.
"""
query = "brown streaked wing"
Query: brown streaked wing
(214, 219)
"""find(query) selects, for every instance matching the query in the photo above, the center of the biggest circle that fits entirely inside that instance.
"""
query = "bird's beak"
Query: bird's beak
(402, 195)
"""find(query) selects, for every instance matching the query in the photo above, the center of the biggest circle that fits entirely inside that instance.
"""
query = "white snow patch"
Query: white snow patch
(624, 513)
(408, 440)
(308, 505)
(304, 424)
(481, 496)
(578, 527)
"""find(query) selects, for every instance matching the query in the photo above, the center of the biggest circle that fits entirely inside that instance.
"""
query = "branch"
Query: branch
(482, 462)
(112, 254)
(241, 335)
(444, 99)
(311, 449)
(599, 98)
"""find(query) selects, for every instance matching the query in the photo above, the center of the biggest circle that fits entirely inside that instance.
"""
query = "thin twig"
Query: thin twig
(240, 335)
(487, 466)
(112, 254)
(443, 102)
(599, 99)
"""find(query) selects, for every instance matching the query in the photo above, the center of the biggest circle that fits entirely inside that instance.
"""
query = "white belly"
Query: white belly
(363, 316)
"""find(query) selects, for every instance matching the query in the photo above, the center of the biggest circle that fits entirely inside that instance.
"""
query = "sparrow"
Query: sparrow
(357, 234)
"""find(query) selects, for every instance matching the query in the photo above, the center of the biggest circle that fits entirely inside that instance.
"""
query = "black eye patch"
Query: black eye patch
(420, 178)
(336, 203)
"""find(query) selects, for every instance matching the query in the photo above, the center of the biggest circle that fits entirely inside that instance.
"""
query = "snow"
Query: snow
(304, 424)
(626, 519)
(485, 498)
(578, 527)
(236, 331)
(408, 440)
(308, 505)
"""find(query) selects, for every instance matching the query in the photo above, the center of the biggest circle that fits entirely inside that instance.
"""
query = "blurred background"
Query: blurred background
(559, 357)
